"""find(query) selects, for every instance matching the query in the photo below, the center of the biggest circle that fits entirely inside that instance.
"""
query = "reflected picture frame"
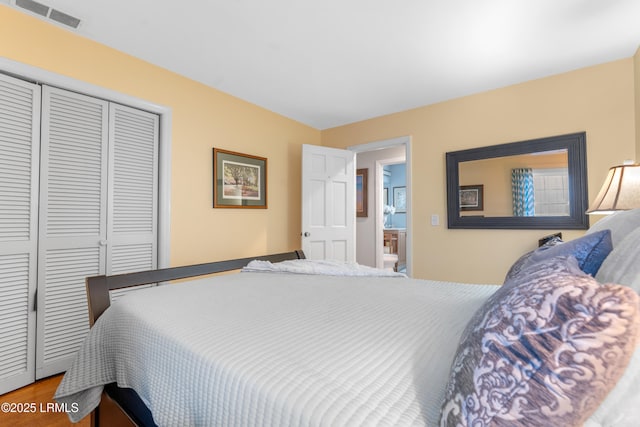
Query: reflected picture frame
(471, 197)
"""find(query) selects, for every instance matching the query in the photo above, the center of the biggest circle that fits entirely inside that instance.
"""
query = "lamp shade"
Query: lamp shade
(620, 191)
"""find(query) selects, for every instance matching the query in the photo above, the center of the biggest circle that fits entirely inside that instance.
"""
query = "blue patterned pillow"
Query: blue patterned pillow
(590, 250)
(544, 350)
(520, 262)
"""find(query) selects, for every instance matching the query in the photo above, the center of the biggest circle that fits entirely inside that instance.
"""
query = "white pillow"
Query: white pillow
(622, 265)
(620, 223)
(621, 407)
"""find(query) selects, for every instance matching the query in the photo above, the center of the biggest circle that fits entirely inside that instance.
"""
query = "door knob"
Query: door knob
(306, 234)
(102, 243)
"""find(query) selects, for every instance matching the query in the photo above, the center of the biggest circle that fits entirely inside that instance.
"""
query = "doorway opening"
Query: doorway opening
(371, 230)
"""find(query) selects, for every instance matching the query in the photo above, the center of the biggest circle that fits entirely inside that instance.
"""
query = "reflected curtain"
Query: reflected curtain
(522, 192)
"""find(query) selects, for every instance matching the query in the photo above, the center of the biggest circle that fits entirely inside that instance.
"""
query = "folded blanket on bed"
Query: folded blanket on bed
(322, 267)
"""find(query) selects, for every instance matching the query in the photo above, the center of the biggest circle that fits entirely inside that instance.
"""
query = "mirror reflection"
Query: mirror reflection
(533, 184)
(539, 183)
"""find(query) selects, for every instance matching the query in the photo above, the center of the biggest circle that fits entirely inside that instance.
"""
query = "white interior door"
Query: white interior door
(328, 203)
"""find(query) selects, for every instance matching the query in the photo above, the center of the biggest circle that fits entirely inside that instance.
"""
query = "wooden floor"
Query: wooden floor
(39, 394)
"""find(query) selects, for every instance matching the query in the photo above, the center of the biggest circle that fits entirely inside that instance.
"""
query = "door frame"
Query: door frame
(39, 75)
(379, 185)
(378, 145)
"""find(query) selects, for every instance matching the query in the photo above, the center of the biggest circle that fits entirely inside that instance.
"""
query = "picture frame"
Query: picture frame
(400, 199)
(239, 180)
(362, 179)
(385, 196)
(471, 197)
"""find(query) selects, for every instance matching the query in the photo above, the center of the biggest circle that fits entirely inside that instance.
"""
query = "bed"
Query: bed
(290, 342)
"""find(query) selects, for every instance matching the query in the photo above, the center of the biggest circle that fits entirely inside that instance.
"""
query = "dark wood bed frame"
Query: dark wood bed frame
(122, 406)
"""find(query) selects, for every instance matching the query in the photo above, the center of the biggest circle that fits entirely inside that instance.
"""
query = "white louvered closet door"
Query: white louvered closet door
(98, 211)
(73, 221)
(132, 234)
(19, 152)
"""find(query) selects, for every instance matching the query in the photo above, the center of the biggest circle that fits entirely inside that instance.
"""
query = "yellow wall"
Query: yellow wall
(202, 118)
(598, 100)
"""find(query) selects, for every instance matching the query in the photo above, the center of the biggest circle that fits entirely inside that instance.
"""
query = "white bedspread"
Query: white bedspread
(278, 349)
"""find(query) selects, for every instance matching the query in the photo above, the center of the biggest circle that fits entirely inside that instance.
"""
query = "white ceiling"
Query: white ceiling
(327, 63)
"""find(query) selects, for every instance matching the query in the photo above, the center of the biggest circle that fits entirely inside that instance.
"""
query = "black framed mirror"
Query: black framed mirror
(534, 184)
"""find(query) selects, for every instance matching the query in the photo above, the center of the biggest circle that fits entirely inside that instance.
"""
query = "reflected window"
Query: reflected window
(551, 191)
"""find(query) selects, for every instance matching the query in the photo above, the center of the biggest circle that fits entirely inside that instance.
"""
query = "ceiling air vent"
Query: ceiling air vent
(47, 12)
(33, 6)
(63, 18)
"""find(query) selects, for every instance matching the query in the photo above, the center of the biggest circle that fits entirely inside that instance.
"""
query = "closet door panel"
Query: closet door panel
(72, 233)
(19, 163)
(65, 313)
(133, 200)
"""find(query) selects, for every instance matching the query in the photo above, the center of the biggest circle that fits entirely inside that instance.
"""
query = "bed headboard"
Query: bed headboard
(98, 287)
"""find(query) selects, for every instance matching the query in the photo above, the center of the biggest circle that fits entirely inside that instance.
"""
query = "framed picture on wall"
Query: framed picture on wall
(471, 197)
(361, 192)
(385, 196)
(400, 199)
(239, 180)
